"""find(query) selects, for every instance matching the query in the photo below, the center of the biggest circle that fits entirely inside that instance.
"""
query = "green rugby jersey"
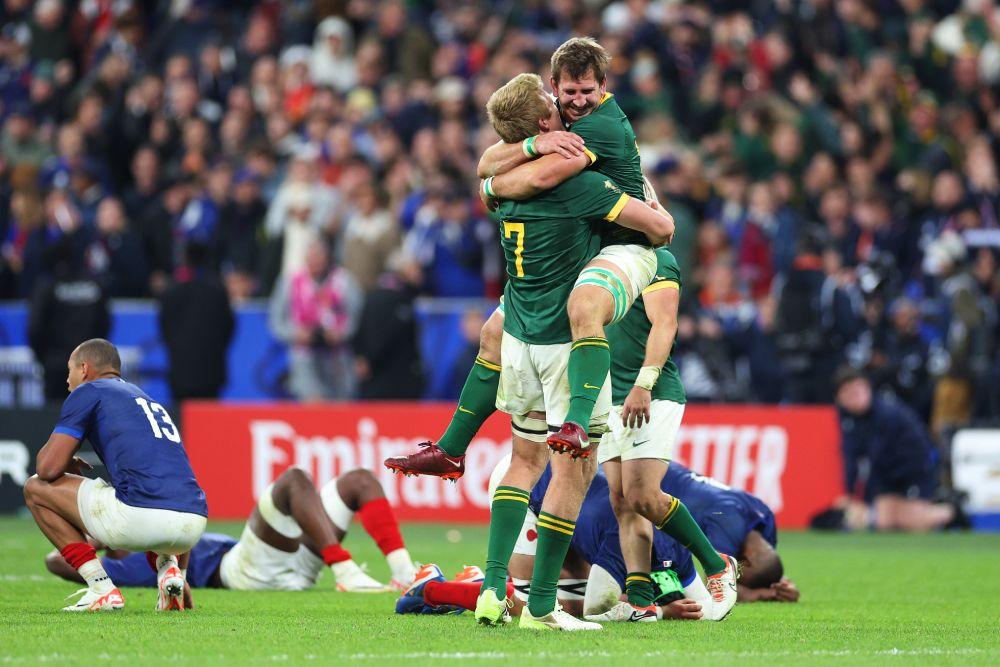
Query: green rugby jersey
(627, 339)
(611, 147)
(547, 240)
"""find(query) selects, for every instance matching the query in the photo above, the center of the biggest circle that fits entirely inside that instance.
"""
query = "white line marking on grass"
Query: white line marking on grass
(24, 577)
(471, 655)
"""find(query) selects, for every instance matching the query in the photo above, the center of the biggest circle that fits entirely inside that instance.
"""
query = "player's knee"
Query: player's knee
(31, 490)
(295, 478)
(585, 308)
(640, 501)
(359, 483)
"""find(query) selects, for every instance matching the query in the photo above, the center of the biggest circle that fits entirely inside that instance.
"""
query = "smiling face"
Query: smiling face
(578, 96)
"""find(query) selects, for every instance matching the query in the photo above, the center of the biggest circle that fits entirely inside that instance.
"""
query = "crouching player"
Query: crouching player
(153, 503)
(593, 575)
(291, 535)
(738, 523)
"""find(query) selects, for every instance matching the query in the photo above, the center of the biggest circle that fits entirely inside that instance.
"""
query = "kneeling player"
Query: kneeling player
(292, 533)
(737, 523)
(593, 574)
(153, 503)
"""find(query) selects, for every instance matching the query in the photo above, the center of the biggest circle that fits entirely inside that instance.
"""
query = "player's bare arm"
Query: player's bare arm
(527, 180)
(57, 457)
(655, 223)
(502, 157)
(661, 310)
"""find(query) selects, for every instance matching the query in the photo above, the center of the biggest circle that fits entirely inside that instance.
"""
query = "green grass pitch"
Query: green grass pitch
(866, 599)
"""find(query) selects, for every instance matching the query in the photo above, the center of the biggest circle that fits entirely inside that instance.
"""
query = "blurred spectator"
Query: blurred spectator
(65, 310)
(370, 236)
(889, 461)
(115, 254)
(240, 224)
(197, 323)
(387, 356)
(21, 143)
(315, 309)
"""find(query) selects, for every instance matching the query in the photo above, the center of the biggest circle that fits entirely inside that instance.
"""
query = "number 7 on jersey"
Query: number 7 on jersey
(516, 228)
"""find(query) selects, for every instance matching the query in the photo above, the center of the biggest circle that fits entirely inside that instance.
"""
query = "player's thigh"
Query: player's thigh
(491, 336)
(59, 496)
(656, 438)
(623, 271)
(642, 476)
(520, 389)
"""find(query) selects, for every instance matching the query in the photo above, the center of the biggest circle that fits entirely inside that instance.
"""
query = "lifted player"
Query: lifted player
(153, 503)
(607, 286)
(738, 523)
(292, 532)
(593, 575)
(546, 241)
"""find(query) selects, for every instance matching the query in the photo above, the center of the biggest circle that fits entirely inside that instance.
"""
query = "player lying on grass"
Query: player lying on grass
(593, 574)
(604, 289)
(648, 404)
(737, 523)
(292, 533)
(547, 240)
(153, 503)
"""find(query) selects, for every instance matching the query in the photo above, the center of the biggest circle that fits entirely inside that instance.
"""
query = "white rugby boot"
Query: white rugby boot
(91, 600)
(722, 587)
(556, 620)
(624, 612)
(170, 584)
(351, 578)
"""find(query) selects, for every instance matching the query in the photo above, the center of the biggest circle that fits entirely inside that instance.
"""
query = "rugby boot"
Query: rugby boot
(570, 439)
(722, 587)
(556, 620)
(491, 610)
(91, 600)
(624, 612)
(430, 460)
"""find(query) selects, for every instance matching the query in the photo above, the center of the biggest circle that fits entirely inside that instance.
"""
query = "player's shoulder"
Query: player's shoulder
(604, 119)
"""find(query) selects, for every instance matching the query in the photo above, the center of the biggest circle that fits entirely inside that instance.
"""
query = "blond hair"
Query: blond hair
(515, 109)
(577, 57)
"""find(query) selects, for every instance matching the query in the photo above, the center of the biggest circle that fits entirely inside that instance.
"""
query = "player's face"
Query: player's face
(551, 122)
(76, 374)
(578, 97)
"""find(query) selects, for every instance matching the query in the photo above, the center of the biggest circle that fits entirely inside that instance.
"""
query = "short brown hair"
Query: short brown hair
(515, 109)
(99, 353)
(579, 56)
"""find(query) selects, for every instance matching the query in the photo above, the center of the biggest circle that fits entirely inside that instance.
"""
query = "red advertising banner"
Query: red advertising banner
(787, 456)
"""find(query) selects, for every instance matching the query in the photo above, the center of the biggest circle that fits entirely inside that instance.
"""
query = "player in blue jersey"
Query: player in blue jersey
(291, 533)
(593, 575)
(153, 503)
(738, 523)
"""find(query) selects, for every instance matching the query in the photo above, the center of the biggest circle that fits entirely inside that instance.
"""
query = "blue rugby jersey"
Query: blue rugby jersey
(726, 515)
(137, 441)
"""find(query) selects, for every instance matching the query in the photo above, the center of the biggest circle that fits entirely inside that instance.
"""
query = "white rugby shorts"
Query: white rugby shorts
(654, 439)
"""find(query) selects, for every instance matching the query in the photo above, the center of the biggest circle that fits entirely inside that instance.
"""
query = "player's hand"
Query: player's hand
(76, 466)
(491, 203)
(567, 144)
(635, 410)
(785, 590)
(682, 610)
(188, 600)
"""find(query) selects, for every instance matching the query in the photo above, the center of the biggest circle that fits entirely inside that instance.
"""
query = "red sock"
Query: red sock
(460, 593)
(334, 554)
(78, 553)
(379, 522)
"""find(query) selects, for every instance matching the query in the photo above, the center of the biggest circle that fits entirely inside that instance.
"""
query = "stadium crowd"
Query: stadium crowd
(832, 168)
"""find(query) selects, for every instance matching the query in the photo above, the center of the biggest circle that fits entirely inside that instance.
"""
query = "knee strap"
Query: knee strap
(607, 280)
(529, 428)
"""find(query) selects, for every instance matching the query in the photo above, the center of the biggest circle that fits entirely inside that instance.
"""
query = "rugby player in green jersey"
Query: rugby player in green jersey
(547, 240)
(648, 400)
(607, 287)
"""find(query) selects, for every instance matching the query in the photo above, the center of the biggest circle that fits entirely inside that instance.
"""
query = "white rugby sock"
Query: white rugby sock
(401, 565)
(344, 569)
(97, 579)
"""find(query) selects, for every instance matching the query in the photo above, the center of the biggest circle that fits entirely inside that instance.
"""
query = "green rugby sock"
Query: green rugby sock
(476, 403)
(680, 525)
(639, 588)
(507, 511)
(589, 363)
(554, 536)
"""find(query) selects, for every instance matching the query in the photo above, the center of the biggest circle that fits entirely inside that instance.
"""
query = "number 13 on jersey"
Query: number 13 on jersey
(516, 229)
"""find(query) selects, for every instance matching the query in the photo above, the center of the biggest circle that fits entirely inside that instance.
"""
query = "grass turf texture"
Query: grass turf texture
(866, 599)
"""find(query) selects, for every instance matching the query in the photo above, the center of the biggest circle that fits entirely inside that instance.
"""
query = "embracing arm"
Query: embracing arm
(57, 457)
(502, 157)
(536, 176)
(650, 219)
(662, 303)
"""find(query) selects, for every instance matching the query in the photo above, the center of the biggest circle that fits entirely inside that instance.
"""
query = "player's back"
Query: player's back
(612, 149)
(547, 240)
(726, 514)
(138, 442)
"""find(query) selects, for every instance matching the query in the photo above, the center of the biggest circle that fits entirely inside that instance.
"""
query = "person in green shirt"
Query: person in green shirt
(648, 400)
(547, 240)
